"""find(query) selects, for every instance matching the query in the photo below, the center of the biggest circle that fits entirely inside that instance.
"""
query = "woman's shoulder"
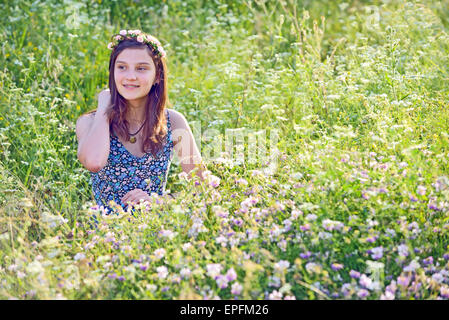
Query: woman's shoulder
(177, 119)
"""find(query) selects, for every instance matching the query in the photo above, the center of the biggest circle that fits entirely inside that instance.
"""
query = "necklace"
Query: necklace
(133, 139)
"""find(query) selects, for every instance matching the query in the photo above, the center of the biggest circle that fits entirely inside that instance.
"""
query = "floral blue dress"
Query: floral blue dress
(124, 172)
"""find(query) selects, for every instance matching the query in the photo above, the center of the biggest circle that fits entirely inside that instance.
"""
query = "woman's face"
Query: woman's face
(134, 74)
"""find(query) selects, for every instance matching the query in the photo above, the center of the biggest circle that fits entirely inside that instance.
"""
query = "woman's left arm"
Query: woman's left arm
(185, 145)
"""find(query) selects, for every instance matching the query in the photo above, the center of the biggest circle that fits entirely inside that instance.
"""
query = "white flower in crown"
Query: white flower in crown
(140, 37)
(161, 51)
(153, 39)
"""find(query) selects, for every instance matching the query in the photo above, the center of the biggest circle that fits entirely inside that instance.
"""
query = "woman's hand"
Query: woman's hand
(134, 196)
(104, 100)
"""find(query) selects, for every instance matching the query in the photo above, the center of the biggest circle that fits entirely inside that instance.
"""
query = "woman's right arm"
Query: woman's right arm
(92, 132)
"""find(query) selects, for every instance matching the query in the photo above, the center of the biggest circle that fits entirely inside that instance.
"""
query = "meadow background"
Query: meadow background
(356, 209)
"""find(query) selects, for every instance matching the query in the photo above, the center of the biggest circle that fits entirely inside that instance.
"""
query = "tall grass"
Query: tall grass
(356, 209)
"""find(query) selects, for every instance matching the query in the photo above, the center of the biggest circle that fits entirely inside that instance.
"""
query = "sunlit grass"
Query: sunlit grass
(358, 205)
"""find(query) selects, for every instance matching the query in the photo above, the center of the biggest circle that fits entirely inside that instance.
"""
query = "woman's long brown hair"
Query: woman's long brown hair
(155, 127)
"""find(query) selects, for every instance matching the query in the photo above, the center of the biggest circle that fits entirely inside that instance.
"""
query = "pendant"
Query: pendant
(132, 139)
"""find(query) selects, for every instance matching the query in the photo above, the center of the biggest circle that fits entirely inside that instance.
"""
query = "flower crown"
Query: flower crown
(140, 37)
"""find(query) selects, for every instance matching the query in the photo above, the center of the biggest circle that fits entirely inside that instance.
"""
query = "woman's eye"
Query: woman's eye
(123, 67)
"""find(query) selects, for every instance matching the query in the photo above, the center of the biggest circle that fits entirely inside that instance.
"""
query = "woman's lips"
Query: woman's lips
(130, 87)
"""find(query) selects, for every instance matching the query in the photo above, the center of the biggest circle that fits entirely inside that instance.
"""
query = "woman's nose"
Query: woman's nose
(131, 75)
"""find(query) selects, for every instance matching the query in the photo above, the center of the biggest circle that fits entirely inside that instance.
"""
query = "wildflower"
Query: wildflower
(275, 295)
(256, 173)
(281, 266)
(296, 213)
(167, 234)
(35, 267)
(238, 222)
(365, 281)
(109, 237)
(251, 234)
(165, 289)
(311, 217)
(175, 279)
(312, 267)
(139, 38)
(354, 274)
(371, 239)
(305, 227)
(391, 287)
(437, 277)
(185, 273)
(282, 244)
(305, 255)
(444, 291)
(151, 287)
(390, 233)
(231, 275)
(221, 240)
(402, 165)
(12, 267)
(412, 266)
(213, 270)
(274, 281)
(289, 298)
(162, 272)
(123, 32)
(287, 225)
(220, 212)
(403, 281)
(143, 267)
(421, 190)
(346, 289)
(433, 206)
(183, 176)
(236, 288)
(387, 296)
(241, 181)
(214, 181)
(336, 266)
(159, 253)
(222, 281)
(275, 231)
(428, 260)
(121, 278)
(331, 225)
(362, 293)
(403, 250)
(382, 190)
(142, 227)
(377, 253)
(186, 246)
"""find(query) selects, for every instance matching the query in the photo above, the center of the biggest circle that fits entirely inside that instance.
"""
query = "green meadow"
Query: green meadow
(352, 202)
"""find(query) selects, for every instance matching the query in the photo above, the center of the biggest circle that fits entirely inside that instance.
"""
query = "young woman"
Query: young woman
(127, 142)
